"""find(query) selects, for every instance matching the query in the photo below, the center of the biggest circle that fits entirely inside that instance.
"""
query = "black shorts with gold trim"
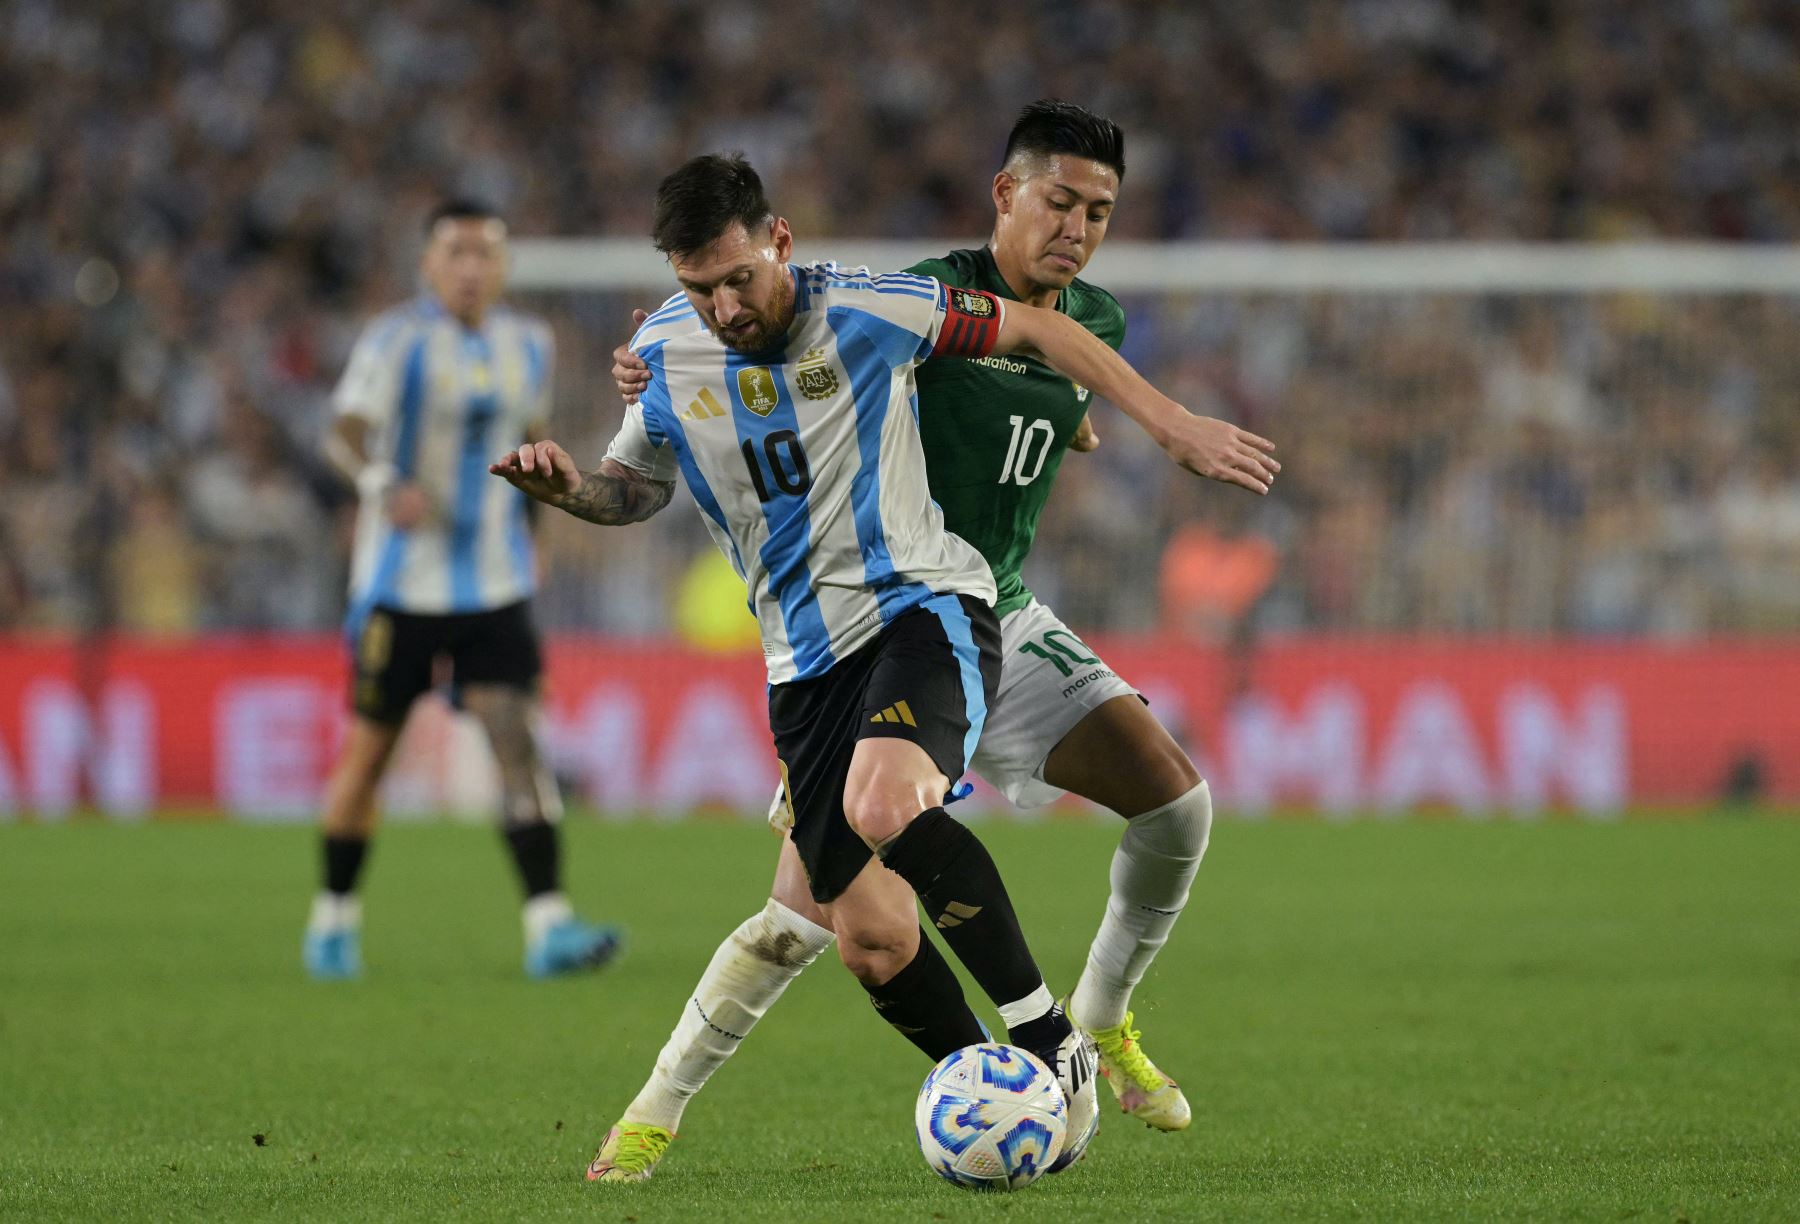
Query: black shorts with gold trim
(396, 655)
(929, 677)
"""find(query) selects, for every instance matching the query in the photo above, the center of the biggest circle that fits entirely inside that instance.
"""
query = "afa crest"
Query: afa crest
(756, 387)
(975, 305)
(816, 379)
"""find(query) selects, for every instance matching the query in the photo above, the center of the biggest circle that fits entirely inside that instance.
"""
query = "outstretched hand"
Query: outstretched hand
(542, 470)
(1221, 451)
(630, 374)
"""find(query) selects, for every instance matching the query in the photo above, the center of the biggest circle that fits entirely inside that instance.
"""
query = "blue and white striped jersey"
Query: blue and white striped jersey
(806, 462)
(441, 401)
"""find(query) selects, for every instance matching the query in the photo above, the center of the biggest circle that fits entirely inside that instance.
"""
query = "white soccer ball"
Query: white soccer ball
(991, 1117)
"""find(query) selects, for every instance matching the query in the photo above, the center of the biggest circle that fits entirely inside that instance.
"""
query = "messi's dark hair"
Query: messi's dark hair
(458, 208)
(699, 201)
(1048, 127)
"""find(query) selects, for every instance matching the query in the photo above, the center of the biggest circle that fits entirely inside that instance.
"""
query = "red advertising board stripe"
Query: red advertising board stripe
(1345, 724)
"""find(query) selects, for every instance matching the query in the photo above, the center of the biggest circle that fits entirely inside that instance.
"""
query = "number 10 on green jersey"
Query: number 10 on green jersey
(1039, 434)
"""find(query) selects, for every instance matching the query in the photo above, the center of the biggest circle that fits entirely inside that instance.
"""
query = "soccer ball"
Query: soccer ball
(991, 1117)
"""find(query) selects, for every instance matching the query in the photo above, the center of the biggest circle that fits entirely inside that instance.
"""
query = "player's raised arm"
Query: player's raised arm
(612, 494)
(1204, 445)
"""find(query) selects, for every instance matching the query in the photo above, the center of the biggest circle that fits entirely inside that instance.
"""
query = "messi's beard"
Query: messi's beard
(768, 328)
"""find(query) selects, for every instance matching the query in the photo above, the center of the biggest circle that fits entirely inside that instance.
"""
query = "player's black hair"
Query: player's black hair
(1048, 127)
(458, 208)
(699, 201)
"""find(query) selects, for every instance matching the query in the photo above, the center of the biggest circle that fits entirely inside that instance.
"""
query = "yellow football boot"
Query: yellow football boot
(1144, 1092)
(630, 1152)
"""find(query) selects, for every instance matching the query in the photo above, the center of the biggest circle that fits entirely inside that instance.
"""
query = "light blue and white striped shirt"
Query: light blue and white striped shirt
(442, 401)
(806, 462)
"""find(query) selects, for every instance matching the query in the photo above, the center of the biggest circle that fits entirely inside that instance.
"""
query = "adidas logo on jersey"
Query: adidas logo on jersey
(899, 712)
(705, 407)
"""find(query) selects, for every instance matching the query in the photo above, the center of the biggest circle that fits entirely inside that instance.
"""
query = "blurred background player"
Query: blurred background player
(994, 430)
(442, 574)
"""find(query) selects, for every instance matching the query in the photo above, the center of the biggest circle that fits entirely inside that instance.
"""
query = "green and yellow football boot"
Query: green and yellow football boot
(1144, 1092)
(630, 1152)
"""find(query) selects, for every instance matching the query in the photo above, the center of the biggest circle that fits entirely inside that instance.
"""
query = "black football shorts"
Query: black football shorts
(394, 655)
(929, 677)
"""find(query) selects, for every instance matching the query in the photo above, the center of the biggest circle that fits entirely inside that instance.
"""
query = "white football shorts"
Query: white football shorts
(1049, 681)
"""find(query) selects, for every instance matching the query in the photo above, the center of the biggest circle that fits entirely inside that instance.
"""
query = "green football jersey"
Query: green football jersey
(995, 430)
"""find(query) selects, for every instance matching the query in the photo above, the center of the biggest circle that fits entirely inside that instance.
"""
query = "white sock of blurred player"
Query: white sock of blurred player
(335, 912)
(747, 974)
(1152, 871)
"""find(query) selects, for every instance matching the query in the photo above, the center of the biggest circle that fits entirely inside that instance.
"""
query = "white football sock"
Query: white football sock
(335, 912)
(747, 974)
(1152, 871)
(1022, 1011)
(543, 912)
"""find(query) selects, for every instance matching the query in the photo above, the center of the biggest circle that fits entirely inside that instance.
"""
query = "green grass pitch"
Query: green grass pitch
(1374, 1021)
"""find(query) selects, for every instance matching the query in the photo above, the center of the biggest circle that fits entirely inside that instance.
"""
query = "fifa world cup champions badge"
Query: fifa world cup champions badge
(756, 387)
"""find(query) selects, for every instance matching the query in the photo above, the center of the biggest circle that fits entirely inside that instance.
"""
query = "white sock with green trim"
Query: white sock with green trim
(1152, 871)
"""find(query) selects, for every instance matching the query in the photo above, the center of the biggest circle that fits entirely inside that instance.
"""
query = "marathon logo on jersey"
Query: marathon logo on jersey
(815, 377)
(756, 387)
(971, 324)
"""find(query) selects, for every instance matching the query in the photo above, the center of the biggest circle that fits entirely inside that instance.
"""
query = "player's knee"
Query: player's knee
(1178, 830)
(1162, 773)
(358, 821)
(879, 804)
(782, 938)
(871, 965)
(350, 803)
(874, 953)
(876, 817)
(508, 717)
(361, 768)
(516, 753)
(529, 797)
(1175, 774)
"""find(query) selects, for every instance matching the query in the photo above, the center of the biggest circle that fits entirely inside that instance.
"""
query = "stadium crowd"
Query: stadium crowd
(201, 201)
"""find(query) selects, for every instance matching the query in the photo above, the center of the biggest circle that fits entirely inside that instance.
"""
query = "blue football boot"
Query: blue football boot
(334, 954)
(570, 946)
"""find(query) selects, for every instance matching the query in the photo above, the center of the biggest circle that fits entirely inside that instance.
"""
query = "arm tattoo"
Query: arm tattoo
(613, 494)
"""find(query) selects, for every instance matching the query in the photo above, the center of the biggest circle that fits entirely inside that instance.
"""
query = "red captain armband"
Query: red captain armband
(971, 323)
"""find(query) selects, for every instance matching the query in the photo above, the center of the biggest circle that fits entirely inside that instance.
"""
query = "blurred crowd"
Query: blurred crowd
(202, 200)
